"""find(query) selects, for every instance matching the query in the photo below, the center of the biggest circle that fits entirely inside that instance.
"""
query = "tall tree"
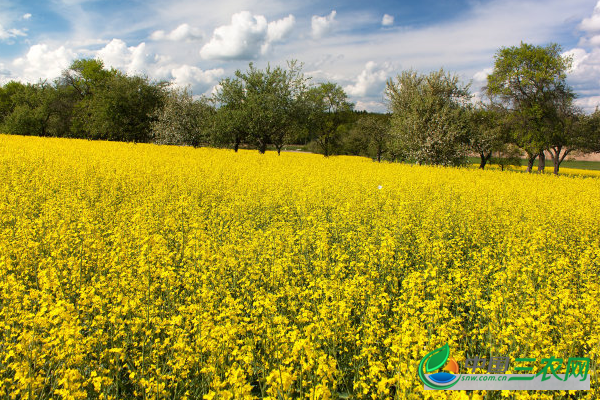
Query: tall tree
(328, 110)
(112, 105)
(230, 127)
(530, 82)
(260, 107)
(375, 129)
(486, 131)
(33, 109)
(183, 120)
(430, 123)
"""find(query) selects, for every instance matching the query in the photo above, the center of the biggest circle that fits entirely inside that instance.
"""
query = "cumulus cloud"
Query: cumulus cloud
(585, 69)
(132, 60)
(371, 80)
(41, 62)
(280, 29)
(187, 75)
(183, 32)
(6, 34)
(387, 20)
(370, 106)
(246, 37)
(591, 25)
(481, 76)
(320, 26)
(585, 72)
(26, 16)
(589, 103)
(479, 81)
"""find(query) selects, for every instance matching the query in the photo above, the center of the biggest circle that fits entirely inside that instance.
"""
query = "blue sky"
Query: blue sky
(357, 44)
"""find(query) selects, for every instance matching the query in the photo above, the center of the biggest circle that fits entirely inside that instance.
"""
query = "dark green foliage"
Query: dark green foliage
(369, 136)
(328, 115)
(88, 101)
(260, 107)
(507, 156)
(530, 83)
(123, 110)
(487, 134)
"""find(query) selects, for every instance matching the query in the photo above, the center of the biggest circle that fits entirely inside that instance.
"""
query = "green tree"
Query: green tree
(327, 110)
(31, 109)
(260, 107)
(486, 132)
(87, 76)
(7, 98)
(430, 122)
(372, 133)
(125, 109)
(230, 124)
(590, 137)
(530, 82)
(183, 120)
(112, 105)
(508, 155)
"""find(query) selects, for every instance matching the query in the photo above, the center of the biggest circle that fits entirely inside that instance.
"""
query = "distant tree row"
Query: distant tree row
(529, 111)
(87, 101)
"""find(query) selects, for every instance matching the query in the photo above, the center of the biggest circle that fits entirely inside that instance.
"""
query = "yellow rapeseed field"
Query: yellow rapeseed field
(142, 271)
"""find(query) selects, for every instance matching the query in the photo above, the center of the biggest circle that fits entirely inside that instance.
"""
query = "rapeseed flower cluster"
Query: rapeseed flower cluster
(143, 271)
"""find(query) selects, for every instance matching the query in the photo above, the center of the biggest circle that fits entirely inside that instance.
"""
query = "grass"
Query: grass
(588, 165)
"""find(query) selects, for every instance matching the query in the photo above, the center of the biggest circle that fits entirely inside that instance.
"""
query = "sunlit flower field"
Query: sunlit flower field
(141, 271)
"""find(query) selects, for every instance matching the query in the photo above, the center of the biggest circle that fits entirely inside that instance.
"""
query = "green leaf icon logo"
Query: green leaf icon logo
(437, 358)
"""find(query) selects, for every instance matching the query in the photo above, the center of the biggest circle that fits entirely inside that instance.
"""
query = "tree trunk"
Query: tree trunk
(484, 159)
(262, 148)
(542, 162)
(326, 148)
(279, 150)
(530, 159)
(236, 145)
(557, 158)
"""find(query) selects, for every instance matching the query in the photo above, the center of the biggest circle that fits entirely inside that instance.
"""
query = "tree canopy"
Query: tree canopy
(431, 119)
(530, 82)
(429, 122)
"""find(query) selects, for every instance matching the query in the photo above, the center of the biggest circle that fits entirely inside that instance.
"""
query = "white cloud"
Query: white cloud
(183, 32)
(280, 29)
(387, 20)
(26, 16)
(6, 34)
(320, 26)
(592, 24)
(187, 75)
(132, 60)
(481, 76)
(371, 80)
(41, 62)
(246, 37)
(589, 103)
(478, 83)
(585, 69)
(370, 106)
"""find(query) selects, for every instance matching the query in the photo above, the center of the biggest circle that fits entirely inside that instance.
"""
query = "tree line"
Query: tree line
(529, 111)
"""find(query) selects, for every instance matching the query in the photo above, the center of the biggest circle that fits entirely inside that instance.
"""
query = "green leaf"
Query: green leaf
(437, 358)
